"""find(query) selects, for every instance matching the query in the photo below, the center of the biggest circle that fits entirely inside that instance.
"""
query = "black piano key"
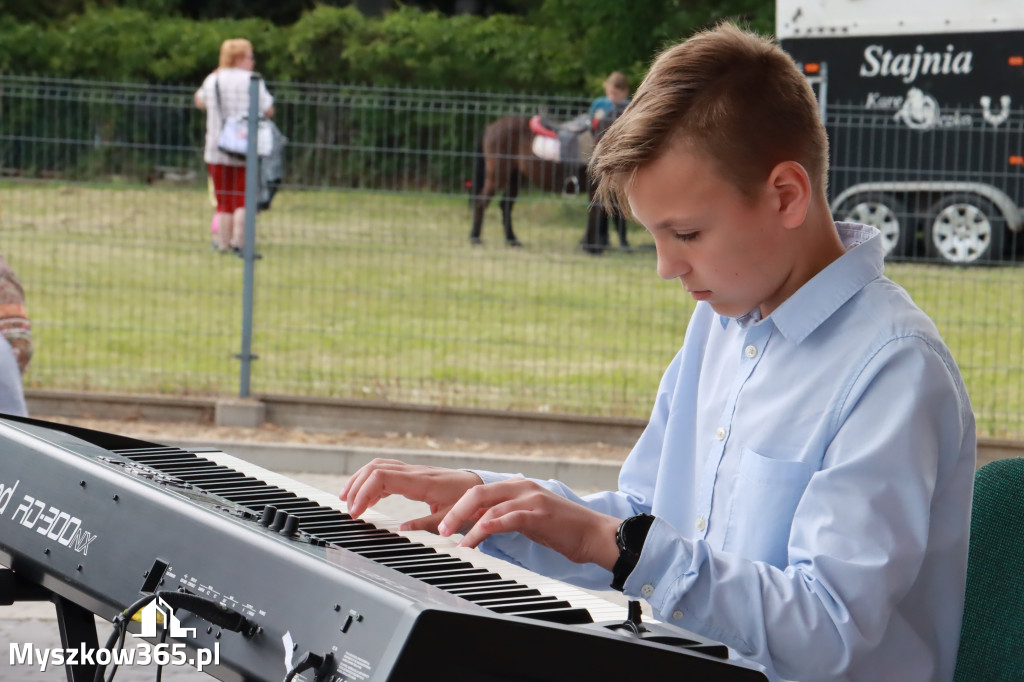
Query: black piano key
(227, 487)
(438, 566)
(404, 551)
(203, 473)
(479, 578)
(196, 468)
(342, 524)
(513, 601)
(356, 544)
(477, 583)
(472, 587)
(570, 616)
(173, 468)
(316, 515)
(445, 571)
(417, 561)
(216, 482)
(264, 496)
(484, 597)
(355, 533)
(167, 459)
(519, 609)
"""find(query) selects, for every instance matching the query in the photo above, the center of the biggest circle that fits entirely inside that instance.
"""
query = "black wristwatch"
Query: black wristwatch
(630, 538)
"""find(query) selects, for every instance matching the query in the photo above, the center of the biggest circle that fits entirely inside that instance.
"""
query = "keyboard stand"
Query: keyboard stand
(77, 625)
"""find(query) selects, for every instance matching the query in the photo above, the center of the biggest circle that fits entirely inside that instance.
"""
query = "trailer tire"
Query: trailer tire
(885, 212)
(964, 228)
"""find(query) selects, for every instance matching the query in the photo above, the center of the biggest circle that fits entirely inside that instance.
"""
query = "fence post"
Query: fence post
(252, 170)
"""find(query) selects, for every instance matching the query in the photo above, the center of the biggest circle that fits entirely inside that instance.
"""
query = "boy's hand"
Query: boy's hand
(580, 534)
(440, 488)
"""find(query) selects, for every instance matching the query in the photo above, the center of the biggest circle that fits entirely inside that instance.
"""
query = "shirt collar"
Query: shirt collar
(826, 292)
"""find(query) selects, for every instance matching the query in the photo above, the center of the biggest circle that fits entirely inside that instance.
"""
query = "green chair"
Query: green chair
(992, 636)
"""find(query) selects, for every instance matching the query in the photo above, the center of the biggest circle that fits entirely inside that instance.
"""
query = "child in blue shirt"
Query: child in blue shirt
(802, 491)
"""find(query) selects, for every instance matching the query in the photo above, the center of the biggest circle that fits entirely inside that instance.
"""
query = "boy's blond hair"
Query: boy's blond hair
(727, 93)
(232, 51)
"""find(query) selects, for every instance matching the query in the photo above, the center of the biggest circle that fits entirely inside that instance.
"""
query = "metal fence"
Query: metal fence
(366, 283)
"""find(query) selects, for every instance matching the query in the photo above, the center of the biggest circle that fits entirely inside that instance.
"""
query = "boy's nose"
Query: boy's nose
(670, 264)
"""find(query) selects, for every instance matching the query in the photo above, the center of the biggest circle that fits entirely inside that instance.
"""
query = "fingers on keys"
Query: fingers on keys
(375, 481)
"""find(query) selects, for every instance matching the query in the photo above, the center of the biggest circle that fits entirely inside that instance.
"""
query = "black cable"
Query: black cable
(160, 666)
(207, 609)
(210, 611)
(119, 647)
(121, 621)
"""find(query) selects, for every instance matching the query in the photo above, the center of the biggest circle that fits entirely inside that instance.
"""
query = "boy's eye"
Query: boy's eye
(686, 236)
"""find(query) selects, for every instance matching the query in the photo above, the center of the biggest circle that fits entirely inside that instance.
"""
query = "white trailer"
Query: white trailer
(923, 102)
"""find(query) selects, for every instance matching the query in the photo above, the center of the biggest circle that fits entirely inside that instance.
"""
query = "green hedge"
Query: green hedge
(566, 47)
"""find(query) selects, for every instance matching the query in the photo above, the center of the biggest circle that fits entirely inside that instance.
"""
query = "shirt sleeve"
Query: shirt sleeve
(858, 538)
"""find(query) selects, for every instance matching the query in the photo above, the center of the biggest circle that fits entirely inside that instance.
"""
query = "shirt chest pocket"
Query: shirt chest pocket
(762, 507)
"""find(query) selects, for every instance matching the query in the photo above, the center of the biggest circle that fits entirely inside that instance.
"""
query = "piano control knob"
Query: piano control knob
(291, 526)
(279, 519)
(268, 515)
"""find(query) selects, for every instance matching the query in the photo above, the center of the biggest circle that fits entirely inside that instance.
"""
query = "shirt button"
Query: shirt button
(701, 524)
(720, 434)
(676, 615)
(750, 351)
(647, 590)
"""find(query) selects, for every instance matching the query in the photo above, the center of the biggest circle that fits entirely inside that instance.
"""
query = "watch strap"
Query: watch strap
(630, 538)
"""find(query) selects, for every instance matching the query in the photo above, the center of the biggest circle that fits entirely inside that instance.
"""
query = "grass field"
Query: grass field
(381, 296)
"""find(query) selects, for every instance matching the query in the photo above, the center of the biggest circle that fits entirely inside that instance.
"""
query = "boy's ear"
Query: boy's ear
(791, 186)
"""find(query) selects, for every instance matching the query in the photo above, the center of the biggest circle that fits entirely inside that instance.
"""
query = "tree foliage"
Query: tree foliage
(555, 46)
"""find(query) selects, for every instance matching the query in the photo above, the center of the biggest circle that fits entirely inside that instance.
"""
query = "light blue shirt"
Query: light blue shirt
(811, 474)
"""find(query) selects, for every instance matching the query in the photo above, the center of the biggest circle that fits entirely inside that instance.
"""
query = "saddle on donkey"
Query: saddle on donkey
(570, 142)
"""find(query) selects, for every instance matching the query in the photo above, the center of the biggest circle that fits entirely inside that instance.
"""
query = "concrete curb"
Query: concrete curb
(344, 460)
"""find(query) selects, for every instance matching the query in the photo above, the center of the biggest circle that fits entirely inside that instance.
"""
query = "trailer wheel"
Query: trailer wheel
(965, 228)
(883, 211)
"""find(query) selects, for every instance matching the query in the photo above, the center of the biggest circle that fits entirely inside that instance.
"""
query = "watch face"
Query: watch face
(634, 532)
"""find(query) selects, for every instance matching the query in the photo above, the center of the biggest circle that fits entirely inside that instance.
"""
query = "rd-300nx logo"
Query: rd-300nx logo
(47, 520)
